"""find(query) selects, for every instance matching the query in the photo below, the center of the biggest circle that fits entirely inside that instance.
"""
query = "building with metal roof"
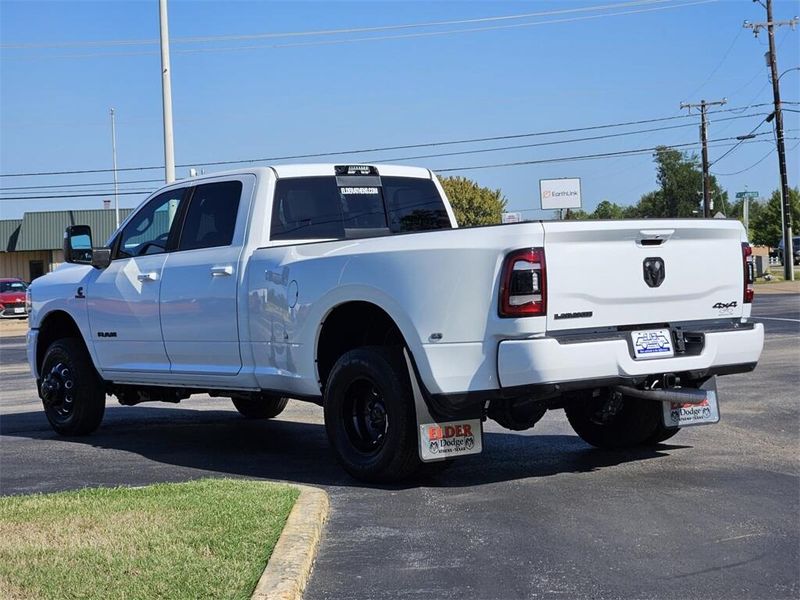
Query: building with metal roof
(32, 246)
(9, 232)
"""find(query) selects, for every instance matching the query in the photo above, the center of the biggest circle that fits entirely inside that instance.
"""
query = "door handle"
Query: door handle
(147, 276)
(225, 271)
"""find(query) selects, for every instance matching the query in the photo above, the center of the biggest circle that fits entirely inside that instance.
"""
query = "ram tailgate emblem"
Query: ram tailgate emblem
(654, 271)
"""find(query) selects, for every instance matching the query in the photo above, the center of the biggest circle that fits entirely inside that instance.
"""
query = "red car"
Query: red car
(12, 299)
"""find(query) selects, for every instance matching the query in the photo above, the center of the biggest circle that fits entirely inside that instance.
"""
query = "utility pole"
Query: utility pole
(788, 255)
(703, 105)
(166, 94)
(114, 159)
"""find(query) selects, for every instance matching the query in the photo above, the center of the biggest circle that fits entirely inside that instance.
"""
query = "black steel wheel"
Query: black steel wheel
(609, 420)
(369, 415)
(72, 392)
(260, 406)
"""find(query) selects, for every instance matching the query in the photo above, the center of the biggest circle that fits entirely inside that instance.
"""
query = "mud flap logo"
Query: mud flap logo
(447, 440)
(683, 415)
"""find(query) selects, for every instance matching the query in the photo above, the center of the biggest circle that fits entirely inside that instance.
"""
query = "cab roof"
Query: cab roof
(312, 170)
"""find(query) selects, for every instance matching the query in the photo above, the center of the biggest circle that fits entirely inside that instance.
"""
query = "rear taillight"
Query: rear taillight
(747, 270)
(523, 284)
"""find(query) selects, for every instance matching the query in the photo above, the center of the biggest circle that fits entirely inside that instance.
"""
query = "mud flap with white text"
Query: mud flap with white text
(438, 441)
(705, 412)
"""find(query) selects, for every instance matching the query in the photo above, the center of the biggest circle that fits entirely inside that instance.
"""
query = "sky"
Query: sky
(64, 64)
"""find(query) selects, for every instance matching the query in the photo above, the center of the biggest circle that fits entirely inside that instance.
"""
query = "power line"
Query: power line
(376, 149)
(390, 37)
(321, 32)
(74, 196)
(435, 155)
(451, 32)
(73, 185)
(633, 152)
(719, 64)
(741, 141)
(755, 164)
(550, 143)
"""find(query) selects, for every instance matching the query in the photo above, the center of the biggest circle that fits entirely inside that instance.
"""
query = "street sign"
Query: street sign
(746, 195)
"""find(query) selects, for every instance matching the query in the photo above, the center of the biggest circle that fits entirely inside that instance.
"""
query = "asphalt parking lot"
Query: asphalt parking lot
(715, 513)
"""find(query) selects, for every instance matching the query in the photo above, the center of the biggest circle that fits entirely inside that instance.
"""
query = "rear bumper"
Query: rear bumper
(549, 360)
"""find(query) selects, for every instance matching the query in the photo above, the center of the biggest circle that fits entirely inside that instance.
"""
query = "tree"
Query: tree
(604, 210)
(680, 181)
(575, 214)
(472, 203)
(608, 210)
(765, 221)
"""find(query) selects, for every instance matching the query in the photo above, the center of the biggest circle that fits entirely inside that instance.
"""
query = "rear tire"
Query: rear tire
(369, 415)
(634, 422)
(260, 406)
(661, 434)
(72, 392)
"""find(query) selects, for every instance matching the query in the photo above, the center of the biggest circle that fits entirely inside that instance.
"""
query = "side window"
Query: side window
(211, 216)
(306, 208)
(148, 231)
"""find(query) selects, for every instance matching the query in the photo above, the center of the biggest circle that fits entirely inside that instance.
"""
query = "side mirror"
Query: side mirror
(78, 244)
(78, 248)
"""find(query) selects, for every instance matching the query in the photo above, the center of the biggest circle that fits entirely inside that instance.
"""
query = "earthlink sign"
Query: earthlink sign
(560, 193)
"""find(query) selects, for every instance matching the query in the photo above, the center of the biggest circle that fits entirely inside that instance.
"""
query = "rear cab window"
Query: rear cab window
(353, 204)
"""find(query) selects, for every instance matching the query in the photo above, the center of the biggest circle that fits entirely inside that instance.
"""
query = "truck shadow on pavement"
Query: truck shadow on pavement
(223, 443)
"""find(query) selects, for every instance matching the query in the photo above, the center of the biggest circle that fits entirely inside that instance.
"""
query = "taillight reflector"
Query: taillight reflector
(747, 268)
(523, 284)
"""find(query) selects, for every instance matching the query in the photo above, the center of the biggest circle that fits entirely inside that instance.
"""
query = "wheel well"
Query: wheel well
(56, 325)
(352, 325)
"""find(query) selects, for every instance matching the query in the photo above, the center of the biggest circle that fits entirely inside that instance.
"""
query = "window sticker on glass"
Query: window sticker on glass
(359, 190)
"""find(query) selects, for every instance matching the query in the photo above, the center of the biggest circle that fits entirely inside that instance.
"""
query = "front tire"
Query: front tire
(612, 423)
(260, 406)
(72, 392)
(369, 415)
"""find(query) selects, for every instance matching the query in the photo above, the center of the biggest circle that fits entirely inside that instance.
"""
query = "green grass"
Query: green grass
(209, 538)
(777, 276)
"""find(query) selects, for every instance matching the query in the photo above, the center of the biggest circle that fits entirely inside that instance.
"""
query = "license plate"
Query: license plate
(19, 311)
(652, 343)
(684, 415)
(448, 440)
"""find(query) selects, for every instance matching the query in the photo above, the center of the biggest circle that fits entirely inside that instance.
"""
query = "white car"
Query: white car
(351, 286)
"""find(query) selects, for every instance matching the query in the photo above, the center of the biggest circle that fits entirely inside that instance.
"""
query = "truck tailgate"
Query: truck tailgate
(616, 273)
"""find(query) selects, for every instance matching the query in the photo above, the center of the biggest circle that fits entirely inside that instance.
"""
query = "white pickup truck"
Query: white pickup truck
(351, 286)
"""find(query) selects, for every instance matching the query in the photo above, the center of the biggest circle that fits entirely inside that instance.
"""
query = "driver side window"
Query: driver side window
(148, 232)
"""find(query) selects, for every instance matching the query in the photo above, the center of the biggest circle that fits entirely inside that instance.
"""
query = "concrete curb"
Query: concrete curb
(289, 567)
